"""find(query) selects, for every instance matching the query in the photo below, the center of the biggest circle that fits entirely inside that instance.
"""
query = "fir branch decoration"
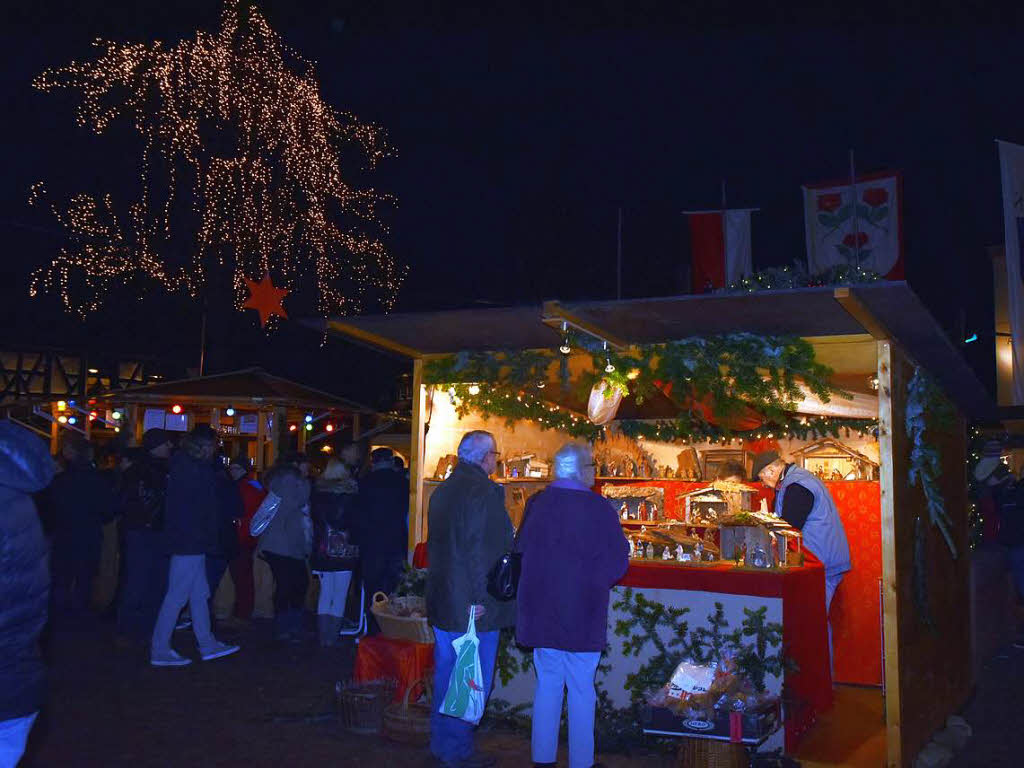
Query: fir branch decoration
(730, 373)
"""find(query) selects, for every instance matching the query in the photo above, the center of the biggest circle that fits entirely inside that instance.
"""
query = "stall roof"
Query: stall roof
(886, 309)
(251, 386)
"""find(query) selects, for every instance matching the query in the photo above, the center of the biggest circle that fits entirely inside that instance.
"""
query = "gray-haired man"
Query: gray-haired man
(468, 530)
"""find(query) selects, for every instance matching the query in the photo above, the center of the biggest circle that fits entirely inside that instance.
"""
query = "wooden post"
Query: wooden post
(215, 419)
(134, 424)
(301, 429)
(261, 439)
(54, 430)
(355, 427)
(278, 434)
(417, 524)
(890, 575)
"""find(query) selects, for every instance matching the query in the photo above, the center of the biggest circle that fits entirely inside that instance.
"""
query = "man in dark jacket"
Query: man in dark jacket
(81, 500)
(573, 553)
(469, 530)
(190, 532)
(25, 468)
(381, 524)
(141, 504)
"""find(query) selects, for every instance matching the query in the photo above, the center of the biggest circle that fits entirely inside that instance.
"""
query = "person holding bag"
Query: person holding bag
(469, 530)
(285, 546)
(335, 556)
(573, 551)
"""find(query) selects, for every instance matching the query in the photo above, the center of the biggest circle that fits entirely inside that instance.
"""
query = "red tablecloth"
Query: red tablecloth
(407, 662)
(804, 632)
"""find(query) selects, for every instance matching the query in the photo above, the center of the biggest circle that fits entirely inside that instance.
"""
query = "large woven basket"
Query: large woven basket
(401, 627)
(410, 723)
(709, 753)
(361, 705)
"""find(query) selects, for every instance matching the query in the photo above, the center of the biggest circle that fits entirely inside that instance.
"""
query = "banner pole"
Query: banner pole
(853, 197)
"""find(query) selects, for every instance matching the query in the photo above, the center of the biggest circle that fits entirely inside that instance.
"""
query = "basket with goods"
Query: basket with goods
(404, 618)
(409, 722)
(361, 705)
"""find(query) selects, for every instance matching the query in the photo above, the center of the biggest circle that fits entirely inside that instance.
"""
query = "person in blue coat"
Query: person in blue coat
(25, 468)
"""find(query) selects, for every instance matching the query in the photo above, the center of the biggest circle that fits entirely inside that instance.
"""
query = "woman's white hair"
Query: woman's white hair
(475, 446)
(571, 461)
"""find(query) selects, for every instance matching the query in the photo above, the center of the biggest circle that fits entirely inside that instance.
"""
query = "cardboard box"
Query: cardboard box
(752, 726)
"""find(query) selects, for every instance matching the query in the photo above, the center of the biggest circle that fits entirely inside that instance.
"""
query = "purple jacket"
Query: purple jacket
(573, 553)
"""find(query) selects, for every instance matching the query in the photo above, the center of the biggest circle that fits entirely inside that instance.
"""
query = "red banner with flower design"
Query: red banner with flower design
(856, 225)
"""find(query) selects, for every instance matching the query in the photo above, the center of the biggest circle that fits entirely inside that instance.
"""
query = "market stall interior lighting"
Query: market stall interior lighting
(474, 389)
(116, 415)
(292, 427)
(309, 418)
(61, 405)
(175, 409)
(329, 427)
(229, 411)
(309, 427)
(565, 349)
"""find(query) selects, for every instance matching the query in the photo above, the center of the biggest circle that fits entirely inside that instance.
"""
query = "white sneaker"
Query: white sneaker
(170, 659)
(219, 650)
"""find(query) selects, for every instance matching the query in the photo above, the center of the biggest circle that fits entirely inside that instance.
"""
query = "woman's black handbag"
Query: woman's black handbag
(503, 580)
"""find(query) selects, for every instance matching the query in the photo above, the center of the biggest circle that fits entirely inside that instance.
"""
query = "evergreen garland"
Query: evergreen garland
(731, 373)
(796, 276)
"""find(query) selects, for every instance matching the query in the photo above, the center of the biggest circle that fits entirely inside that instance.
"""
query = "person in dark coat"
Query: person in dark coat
(81, 500)
(573, 553)
(469, 530)
(381, 525)
(252, 493)
(191, 530)
(144, 560)
(25, 468)
(334, 556)
(230, 511)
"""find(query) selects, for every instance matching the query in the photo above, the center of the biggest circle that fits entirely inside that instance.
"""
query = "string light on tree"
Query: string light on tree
(240, 156)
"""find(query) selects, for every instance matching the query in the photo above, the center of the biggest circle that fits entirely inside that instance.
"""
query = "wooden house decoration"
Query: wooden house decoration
(830, 459)
(713, 458)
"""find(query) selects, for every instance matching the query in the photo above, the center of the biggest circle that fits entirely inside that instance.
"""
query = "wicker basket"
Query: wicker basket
(709, 753)
(410, 723)
(361, 705)
(401, 627)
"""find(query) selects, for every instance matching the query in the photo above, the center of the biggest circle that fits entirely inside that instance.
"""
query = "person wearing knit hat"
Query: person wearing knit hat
(803, 501)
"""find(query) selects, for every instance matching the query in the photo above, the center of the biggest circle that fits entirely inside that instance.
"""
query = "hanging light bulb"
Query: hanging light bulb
(609, 368)
(873, 382)
(309, 418)
(329, 427)
(67, 420)
(229, 411)
(474, 389)
(309, 427)
(541, 384)
(175, 409)
(565, 349)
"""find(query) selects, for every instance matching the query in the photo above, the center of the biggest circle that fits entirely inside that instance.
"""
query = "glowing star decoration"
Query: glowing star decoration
(241, 156)
(265, 299)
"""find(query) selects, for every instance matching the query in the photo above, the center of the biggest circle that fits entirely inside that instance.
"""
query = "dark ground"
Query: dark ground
(265, 706)
(272, 706)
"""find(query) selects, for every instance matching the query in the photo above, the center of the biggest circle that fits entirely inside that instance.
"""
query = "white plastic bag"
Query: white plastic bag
(466, 697)
(267, 509)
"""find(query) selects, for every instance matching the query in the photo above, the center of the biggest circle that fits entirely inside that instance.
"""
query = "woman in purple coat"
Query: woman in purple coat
(573, 553)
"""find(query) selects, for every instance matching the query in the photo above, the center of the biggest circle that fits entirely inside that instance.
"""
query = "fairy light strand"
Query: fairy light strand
(233, 122)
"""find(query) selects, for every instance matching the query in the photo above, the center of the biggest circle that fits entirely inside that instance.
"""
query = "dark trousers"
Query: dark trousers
(72, 584)
(143, 583)
(215, 567)
(245, 589)
(290, 582)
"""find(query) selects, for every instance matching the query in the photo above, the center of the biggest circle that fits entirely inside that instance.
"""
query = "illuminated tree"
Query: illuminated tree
(241, 165)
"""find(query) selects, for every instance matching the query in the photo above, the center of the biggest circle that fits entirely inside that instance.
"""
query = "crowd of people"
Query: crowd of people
(183, 514)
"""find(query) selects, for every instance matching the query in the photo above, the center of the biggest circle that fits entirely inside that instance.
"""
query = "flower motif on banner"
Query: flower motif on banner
(830, 202)
(853, 244)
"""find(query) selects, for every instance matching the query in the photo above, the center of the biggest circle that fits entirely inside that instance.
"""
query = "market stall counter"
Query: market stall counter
(793, 597)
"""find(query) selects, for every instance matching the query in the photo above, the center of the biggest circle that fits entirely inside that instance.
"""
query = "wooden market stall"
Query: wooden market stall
(879, 330)
(257, 414)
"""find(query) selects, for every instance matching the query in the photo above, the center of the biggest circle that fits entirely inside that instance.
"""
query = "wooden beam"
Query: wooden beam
(373, 339)
(417, 527)
(554, 312)
(890, 575)
(261, 440)
(855, 308)
(54, 430)
(356, 431)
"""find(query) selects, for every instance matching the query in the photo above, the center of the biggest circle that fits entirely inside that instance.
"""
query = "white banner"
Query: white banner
(1011, 164)
(854, 225)
(738, 255)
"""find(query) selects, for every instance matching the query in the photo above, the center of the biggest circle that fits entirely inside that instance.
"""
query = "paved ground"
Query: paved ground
(272, 706)
(265, 706)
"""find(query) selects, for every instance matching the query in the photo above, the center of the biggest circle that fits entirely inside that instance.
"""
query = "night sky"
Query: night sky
(519, 135)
